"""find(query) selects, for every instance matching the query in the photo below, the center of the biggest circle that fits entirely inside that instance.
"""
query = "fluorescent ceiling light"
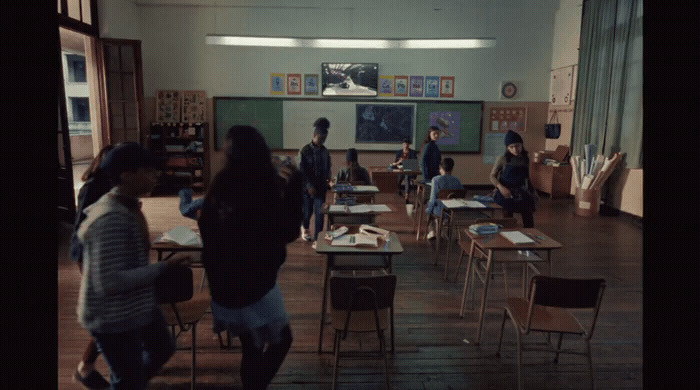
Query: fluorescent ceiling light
(339, 43)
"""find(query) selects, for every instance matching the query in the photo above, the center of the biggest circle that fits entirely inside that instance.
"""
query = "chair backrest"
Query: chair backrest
(507, 223)
(452, 194)
(567, 293)
(355, 293)
(174, 284)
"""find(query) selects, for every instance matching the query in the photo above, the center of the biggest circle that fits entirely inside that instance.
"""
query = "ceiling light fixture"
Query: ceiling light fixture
(341, 43)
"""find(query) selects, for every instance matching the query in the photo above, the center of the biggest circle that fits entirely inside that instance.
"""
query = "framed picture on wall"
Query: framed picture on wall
(294, 83)
(311, 84)
(386, 85)
(277, 83)
(447, 86)
(400, 85)
(416, 86)
(432, 86)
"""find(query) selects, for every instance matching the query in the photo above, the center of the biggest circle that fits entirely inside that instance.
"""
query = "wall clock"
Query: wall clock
(509, 90)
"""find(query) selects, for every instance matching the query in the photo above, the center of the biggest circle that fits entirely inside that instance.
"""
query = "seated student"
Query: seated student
(405, 153)
(354, 172)
(511, 176)
(444, 181)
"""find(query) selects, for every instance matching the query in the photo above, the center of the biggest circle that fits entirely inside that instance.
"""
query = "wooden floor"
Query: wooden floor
(430, 349)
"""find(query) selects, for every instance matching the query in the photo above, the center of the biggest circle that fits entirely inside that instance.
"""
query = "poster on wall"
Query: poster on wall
(311, 84)
(416, 85)
(293, 83)
(504, 118)
(448, 122)
(277, 83)
(168, 106)
(194, 106)
(432, 86)
(383, 123)
(400, 85)
(447, 86)
(386, 85)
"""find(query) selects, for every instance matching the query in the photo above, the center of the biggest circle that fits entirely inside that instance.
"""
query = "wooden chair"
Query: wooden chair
(362, 304)
(546, 310)
(183, 316)
(443, 194)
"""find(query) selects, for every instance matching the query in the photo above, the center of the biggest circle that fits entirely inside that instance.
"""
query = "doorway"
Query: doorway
(82, 100)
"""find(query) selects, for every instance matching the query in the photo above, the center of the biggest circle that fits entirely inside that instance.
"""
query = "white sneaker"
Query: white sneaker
(305, 235)
(313, 245)
(430, 235)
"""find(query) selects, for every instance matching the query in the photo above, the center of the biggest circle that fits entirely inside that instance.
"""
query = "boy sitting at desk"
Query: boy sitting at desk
(406, 153)
(444, 181)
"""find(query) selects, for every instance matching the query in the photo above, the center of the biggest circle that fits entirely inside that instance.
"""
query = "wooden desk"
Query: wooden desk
(355, 190)
(387, 180)
(385, 251)
(331, 216)
(490, 243)
(170, 248)
(461, 215)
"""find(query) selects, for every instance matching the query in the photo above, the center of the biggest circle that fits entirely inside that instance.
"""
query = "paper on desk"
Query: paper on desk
(474, 204)
(517, 237)
(336, 208)
(366, 208)
(453, 203)
(182, 235)
(365, 189)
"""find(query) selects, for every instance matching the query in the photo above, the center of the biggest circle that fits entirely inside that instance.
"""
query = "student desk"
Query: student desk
(384, 252)
(360, 191)
(387, 180)
(491, 243)
(366, 217)
(460, 215)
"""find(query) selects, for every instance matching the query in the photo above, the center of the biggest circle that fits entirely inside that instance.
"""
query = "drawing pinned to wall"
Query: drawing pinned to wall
(194, 106)
(386, 85)
(277, 83)
(447, 86)
(168, 106)
(560, 85)
(448, 122)
(432, 86)
(400, 85)
(384, 122)
(416, 86)
(504, 118)
(311, 84)
(293, 83)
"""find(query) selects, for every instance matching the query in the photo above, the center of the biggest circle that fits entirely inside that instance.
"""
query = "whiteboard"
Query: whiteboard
(560, 86)
(298, 117)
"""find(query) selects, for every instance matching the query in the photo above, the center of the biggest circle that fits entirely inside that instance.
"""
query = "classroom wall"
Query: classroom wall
(175, 55)
(624, 189)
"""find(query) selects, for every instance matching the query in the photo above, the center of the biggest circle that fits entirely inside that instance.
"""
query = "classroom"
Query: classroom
(524, 74)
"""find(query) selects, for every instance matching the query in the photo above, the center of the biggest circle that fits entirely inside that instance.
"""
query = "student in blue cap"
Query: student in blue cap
(511, 176)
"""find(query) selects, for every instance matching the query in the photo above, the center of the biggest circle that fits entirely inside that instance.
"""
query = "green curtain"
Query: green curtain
(608, 107)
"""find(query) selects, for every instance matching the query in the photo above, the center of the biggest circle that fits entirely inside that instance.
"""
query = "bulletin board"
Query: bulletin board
(504, 118)
(560, 85)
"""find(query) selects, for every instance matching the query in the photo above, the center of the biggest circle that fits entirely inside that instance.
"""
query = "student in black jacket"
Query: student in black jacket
(250, 213)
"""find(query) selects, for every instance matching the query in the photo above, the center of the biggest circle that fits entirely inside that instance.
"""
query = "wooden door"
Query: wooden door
(121, 90)
(66, 192)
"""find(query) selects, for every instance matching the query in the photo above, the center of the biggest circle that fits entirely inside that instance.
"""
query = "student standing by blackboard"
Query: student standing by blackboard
(315, 165)
(430, 155)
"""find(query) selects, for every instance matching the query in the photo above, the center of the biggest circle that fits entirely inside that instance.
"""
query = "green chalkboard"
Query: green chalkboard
(464, 120)
(265, 114)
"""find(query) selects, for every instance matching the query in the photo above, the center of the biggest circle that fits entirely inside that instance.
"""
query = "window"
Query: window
(76, 68)
(81, 109)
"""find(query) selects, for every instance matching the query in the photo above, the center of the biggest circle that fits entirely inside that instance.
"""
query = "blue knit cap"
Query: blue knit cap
(512, 138)
(351, 155)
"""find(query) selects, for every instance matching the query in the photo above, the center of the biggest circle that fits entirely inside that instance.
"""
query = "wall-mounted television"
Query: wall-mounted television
(349, 79)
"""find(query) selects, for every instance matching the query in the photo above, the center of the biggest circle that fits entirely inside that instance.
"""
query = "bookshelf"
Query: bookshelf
(182, 147)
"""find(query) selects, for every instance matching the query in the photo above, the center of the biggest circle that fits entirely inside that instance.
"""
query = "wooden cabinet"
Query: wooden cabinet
(182, 147)
(555, 181)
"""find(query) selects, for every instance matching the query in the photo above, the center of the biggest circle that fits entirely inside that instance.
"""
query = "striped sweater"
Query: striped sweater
(116, 290)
